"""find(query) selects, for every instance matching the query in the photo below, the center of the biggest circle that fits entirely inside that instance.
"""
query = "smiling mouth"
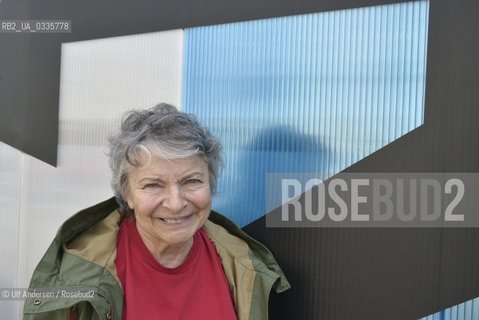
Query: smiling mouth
(174, 221)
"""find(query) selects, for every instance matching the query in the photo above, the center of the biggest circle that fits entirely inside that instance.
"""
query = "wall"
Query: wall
(336, 274)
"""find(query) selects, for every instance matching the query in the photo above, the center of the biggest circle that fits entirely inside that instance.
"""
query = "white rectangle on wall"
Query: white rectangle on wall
(100, 80)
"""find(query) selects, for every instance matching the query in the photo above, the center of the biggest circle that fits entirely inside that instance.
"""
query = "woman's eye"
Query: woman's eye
(151, 185)
(193, 181)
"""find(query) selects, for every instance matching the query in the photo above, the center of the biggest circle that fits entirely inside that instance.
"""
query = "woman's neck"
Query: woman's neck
(168, 255)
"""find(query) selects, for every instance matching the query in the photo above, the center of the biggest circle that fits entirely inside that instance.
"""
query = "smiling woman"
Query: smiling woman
(157, 250)
(171, 200)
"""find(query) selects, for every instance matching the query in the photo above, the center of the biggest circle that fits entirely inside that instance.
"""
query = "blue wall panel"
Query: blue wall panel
(308, 93)
(468, 310)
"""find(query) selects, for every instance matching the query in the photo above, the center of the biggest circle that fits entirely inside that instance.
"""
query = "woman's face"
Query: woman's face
(171, 198)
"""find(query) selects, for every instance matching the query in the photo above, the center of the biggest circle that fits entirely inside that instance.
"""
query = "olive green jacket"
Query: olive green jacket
(82, 259)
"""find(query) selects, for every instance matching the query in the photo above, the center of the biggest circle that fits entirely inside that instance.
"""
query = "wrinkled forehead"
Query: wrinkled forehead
(143, 153)
(159, 167)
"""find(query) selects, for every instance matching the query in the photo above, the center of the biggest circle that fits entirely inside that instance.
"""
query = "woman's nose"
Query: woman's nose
(174, 199)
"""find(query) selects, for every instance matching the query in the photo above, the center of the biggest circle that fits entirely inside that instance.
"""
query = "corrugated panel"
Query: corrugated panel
(468, 310)
(100, 80)
(11, 180)
(308, 93)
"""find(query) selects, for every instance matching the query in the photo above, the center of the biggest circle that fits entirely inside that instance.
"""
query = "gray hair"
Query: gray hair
(165, 131)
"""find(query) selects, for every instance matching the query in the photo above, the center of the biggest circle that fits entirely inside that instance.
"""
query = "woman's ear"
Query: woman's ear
(127, 198)
(129, 202)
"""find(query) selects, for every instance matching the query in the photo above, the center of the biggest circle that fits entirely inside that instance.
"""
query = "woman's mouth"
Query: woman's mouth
(174, 221)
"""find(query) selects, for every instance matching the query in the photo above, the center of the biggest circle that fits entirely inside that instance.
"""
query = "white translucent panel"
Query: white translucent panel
(100, 80)
(10, 206)
(123, 72)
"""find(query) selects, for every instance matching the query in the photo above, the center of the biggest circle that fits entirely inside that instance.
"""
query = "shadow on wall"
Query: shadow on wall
(277, 149)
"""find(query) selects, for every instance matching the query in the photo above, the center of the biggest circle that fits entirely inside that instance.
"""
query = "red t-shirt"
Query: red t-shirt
(197, 289)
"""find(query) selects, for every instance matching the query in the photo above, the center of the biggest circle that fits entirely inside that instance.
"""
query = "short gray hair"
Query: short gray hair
(165, 131)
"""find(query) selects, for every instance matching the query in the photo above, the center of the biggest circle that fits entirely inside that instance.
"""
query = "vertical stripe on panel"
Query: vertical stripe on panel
(11, 165)
(312, 93)
(468, 310)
